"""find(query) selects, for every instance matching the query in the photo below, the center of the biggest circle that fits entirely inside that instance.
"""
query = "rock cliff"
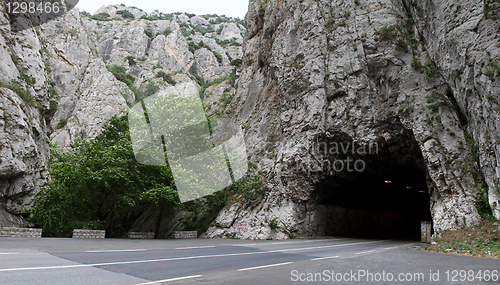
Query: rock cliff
(65, 79)
(417, 80)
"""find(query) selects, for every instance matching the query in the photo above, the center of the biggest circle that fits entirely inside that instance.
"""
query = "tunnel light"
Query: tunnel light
(388, 182)
(421, 191)
(409, 188)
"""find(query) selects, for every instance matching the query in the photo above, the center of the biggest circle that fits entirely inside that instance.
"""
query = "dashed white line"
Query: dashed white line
(244, 244)
(115, 250)
(196, 247)
(281, 242)
(171, 279)
(322, 258)
(183, 258)
(8, 253)
(363, 252)
(390, 247)
(265, 266)
(320, 240)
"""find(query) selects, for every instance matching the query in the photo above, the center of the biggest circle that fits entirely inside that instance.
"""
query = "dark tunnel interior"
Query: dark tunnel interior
(388, 199)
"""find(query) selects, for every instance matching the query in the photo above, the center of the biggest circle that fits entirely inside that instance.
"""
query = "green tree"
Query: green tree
(98, 184)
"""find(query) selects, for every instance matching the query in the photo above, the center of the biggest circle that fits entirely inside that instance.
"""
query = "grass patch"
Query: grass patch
(482, 240)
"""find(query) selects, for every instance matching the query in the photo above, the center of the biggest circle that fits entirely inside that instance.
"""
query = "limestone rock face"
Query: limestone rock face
(24, 102)
(415, 78)
(55, 83)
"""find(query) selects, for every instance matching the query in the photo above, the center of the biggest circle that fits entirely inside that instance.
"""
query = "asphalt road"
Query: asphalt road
(315, 261)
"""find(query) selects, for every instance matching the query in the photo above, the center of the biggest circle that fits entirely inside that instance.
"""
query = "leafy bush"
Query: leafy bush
(167, 32)
(131, 60)
(101, 17)
(117, 69)
(218, 56)
(386, 33)
(62, 123)
(274, 223)
(125, 14)
(121, 74)
(236, 62)
(492, 69)
(98, 184)
(25, 95)
(491, 7)
(166, 77)
(148, 33)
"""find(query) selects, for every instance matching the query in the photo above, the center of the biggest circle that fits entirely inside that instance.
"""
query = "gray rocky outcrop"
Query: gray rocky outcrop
(416, 77)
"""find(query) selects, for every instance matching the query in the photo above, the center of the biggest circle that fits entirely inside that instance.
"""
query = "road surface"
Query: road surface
(314, 261)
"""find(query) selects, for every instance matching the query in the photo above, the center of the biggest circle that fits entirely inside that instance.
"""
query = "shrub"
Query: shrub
(25, 95)
(131, 60)
(62, 123)
(166, 77)
(236, 62)
(148, 33)
(117, 69)
(125, 14)
(167, 32)
(386, 33)
(218, 56)
(101, 17)
(274, 223)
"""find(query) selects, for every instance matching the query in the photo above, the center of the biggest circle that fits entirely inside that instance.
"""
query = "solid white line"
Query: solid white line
(365, 252)
(8, 253)
(184, 258)
(196, 247)
(264, 266)
(244, 244)
(115, 250)
(321, 258)
(170, 280)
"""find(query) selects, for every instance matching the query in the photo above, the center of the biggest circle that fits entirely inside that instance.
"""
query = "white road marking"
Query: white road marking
(363, 252)
(264, 266)
(196, 247)
(244, 244)
(8, 253)
(319, 240)
(183, 258)
(282, 242)
(330, 257)
(115, 250)
(171, 279)
(391, 247)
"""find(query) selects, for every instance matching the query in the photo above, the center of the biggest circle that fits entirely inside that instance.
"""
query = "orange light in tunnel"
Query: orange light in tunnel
(421, 191)
(409, 188)
(388, 182)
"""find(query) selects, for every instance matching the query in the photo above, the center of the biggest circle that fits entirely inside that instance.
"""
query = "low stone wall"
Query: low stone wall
(186, 234)
(88, 234)
(139, 235)
(21, 232)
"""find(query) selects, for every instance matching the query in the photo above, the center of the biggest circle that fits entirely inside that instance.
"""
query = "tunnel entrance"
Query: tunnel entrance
(388, 199)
